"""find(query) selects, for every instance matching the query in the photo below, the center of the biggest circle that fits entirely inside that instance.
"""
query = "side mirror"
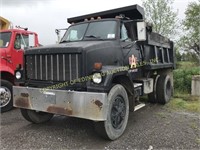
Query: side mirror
(31, 40)
(141, 31)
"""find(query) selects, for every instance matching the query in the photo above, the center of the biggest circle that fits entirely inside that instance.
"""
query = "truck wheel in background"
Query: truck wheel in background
(6, 98)
(25, 114)
(117, 116)
(36, 117)
(164, 89)
(153, 96)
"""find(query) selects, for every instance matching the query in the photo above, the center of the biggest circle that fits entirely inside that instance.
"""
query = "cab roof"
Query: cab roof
(18, 31)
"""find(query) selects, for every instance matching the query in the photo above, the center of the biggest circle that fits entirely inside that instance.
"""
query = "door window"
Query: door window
(21, 41)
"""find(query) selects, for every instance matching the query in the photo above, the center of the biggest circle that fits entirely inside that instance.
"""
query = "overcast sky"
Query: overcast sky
(44, 16)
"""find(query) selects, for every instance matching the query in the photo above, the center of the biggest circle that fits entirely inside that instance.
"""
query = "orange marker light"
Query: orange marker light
(19, 66)
(97, 66)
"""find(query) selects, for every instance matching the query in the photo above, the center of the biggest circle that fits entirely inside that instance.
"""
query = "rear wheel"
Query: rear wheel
(6, 98)
(36, 117)
(164, 89)
(117, 116)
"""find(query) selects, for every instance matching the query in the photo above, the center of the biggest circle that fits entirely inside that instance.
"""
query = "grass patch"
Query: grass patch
(182, 87)
(185, 96)
(198, 141)
(194, 126)
(185, 101)
(186, 65)
(181, 104)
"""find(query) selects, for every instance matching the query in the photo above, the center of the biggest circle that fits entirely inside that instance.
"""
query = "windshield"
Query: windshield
(100, 30)
(4, 39)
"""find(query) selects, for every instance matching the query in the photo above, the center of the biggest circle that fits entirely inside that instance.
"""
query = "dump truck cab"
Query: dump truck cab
(13, 42)
(98, 71)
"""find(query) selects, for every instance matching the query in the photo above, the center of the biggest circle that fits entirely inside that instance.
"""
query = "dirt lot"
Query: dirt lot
(154, 126)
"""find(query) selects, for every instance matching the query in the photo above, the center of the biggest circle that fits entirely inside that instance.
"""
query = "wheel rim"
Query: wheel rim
(118, 112)
(5, 96)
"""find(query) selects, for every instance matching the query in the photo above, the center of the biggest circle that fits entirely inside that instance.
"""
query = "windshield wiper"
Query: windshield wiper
(64, 41)
(94, 37)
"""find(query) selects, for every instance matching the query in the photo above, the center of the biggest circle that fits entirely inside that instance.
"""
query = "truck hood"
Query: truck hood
(72, 47)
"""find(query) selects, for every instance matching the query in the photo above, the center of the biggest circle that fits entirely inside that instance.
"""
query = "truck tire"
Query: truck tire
(164, 89)
(117, 116)
(25, 114)
(36, 117)
(6, 98)
(152, 97)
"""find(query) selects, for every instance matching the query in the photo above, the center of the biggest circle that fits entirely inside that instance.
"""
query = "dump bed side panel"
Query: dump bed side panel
(159, 51)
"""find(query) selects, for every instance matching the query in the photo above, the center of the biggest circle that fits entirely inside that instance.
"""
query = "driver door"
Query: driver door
(130, 50)
(18, 50)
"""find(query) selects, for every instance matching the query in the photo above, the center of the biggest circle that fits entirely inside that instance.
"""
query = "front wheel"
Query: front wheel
(117, 116)
(36, 116)
(6, 100)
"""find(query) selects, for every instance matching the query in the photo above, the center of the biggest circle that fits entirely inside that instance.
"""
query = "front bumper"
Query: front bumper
(87, 105)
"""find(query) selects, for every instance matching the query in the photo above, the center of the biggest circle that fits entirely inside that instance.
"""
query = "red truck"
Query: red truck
(13, 42)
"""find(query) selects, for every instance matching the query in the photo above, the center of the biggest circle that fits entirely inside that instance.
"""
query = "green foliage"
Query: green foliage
(178, 56)
(179, 103)
(185, 96)
(186, 65)
(183, 76)
(198, 141)
(160, 13)
(182, 85)
(190, 56)
(191, 38)
(192, 18)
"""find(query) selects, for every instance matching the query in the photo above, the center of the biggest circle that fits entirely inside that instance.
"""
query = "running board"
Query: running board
(139, 106)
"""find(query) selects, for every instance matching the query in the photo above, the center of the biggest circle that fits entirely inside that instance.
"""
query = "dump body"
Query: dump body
(4, 23)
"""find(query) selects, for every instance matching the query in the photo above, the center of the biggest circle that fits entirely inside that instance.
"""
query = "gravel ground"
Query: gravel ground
(152, 127)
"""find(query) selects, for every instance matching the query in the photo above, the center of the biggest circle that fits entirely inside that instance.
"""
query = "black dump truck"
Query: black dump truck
(102, 65)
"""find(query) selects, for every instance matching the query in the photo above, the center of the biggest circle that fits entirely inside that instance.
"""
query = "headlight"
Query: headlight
(18, 75)
(97, 78)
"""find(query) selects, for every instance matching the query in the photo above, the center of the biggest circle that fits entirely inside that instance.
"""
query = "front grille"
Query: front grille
(54, 67)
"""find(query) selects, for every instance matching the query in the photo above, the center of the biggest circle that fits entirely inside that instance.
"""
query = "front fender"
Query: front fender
(6, 69)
